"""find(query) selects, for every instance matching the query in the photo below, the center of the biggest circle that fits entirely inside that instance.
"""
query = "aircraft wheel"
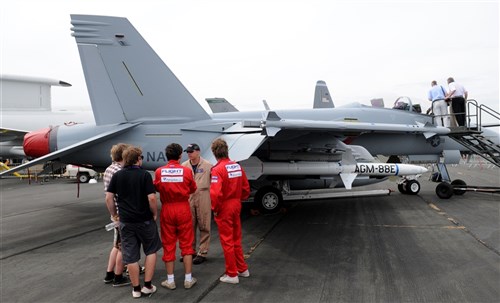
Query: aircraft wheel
(269, 199)
(412, 187)
(83, 177)
(402, 188)
(444, 190)
(458, 183)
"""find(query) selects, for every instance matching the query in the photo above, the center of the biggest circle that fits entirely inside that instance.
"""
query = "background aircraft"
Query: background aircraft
(27, 106)
(137, 99)
(220, 105)
(322, 99)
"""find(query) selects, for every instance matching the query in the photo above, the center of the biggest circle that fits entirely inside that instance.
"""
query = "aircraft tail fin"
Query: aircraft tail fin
(266, 106)
(220, 105)
(322, 97)
(126, 80)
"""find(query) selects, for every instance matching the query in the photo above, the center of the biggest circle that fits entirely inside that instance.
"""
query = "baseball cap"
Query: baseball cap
(192, 147)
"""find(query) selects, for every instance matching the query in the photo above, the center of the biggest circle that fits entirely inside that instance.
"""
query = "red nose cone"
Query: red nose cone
(36, 143)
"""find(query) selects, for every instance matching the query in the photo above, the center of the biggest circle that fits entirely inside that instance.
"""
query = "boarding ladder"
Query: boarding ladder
(471, 136)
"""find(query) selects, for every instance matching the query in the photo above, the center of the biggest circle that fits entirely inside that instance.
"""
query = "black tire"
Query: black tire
(402, 188)
(412, 187)
(458, 183)
(444, 190)
(83, 177)
(269, 199)
(436, 177)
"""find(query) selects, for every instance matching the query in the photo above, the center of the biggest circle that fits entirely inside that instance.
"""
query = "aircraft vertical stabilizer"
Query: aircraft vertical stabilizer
(127, 81)
(322, 97)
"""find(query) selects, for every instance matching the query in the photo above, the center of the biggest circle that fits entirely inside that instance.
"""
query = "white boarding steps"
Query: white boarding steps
(471, 135)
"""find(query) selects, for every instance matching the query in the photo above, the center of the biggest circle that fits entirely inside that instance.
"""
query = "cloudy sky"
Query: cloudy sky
(247, 51)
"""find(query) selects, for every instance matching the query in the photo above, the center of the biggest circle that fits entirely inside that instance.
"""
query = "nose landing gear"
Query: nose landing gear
(409, 187)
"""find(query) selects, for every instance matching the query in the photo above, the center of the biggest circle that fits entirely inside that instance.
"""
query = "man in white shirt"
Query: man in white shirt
(457, 95)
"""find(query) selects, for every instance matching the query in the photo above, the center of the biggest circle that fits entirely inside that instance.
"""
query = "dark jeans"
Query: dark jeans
(458, 106)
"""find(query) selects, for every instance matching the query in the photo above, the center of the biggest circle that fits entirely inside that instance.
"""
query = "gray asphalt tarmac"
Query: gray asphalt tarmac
(395, 248)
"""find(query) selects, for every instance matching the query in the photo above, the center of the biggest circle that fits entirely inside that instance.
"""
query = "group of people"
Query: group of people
(455, 97)
(189, 193)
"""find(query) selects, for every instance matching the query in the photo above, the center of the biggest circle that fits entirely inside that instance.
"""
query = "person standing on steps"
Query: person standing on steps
(437, 96)
(457, 95)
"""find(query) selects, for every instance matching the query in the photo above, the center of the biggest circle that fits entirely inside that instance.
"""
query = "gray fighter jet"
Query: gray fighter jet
(137, 99)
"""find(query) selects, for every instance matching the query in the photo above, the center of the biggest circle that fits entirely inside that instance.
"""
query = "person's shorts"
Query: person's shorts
(133, 235)
(117, 240)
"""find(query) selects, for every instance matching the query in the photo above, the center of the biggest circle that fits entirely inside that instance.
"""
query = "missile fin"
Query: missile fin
(348, 178)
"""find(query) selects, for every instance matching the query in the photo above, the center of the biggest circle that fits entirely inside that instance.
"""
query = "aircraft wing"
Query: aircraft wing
(74, 147)
(11, 142)
(241, 146)
(274, 124)
(9, 134)
(241, 140)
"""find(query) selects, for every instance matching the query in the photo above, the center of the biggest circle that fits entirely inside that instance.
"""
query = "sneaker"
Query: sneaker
(189, 284)
(124, 281)
(199, 259)
(168, 285)
(109, 278)
(230, 280)
(244, 274)
(148, 291)
(136, 294)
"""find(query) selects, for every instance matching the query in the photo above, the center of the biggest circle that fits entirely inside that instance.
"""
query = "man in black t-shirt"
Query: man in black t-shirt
(136, 200)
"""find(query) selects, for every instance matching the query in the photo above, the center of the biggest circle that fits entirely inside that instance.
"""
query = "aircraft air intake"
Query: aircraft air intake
(36, 143)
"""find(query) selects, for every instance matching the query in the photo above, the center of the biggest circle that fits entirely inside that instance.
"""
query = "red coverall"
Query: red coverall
(175, 183)
(229, 186)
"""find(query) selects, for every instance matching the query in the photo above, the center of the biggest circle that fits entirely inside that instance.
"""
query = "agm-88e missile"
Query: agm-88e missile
(254, 168)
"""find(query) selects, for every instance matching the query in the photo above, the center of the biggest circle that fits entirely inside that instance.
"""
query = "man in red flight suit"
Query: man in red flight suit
(175, 184)
(229, 186)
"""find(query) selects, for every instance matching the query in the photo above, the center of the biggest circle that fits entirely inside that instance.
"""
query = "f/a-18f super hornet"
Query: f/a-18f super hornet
(137, 99)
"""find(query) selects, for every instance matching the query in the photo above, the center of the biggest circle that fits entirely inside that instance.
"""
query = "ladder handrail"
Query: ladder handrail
(480, 110)
(470, 103)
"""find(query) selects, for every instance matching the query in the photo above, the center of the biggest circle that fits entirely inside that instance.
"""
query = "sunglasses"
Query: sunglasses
(142, 157)
(190, 151)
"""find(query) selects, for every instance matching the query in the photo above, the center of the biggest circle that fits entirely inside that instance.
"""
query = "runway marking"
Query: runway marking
(410, 226)
(458, 225)
(453, 221)
(455, 227)
(434, 207)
